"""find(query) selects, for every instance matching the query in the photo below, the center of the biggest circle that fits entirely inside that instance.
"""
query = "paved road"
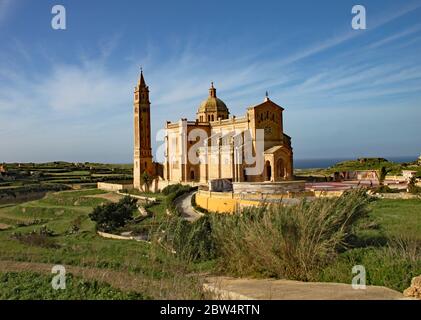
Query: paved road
(183, 204)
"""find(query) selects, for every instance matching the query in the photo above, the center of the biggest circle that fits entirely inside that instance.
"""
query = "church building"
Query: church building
(219, 156)
(215, 145)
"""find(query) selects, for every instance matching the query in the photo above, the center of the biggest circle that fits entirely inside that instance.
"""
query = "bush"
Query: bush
(111, 216)
(40, 238)
(292, 242)
(192, 241)
(412, 186)
(172, 188)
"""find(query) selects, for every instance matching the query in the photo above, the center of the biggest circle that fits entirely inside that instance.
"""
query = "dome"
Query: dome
(212, 103)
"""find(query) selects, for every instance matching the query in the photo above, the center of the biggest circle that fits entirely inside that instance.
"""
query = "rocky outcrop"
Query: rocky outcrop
(414, 291)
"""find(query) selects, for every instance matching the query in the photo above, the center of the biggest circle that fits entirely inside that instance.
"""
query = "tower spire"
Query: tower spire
(267, 96)
(142, 82)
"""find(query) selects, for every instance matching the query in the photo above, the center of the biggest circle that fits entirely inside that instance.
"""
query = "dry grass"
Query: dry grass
(287, 242)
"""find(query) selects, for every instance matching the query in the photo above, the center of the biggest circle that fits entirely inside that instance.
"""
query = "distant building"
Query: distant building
(409, 174)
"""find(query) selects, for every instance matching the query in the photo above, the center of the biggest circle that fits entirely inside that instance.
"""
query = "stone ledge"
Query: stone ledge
(270, 289)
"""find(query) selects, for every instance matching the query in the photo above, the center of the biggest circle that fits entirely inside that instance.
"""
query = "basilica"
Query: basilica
(216, 145)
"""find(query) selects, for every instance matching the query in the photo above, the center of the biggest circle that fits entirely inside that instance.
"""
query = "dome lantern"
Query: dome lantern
(212, 108)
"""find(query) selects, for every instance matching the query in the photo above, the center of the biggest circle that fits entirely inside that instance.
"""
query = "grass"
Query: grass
(398, 218)
(388, 246)
(34, 286)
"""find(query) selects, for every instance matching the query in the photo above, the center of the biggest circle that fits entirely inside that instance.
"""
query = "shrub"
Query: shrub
(40, 238)
(192, 241)
(109, 217)
(412, 186)
(288, 241)
(75, 225)
(171, 188)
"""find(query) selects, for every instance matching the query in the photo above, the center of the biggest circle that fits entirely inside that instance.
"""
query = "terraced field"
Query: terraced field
(58, 213)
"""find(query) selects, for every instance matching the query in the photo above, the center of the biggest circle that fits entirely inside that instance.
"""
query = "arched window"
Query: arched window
(268, 171)
(212, 117)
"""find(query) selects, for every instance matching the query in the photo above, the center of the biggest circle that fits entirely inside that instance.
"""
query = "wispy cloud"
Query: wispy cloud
(396, 36)
(6, 7)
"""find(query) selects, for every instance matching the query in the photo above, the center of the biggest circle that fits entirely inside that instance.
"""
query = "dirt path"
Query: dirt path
(183, 204)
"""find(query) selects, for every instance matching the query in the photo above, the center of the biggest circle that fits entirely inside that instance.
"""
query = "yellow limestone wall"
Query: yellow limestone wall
(222, 202)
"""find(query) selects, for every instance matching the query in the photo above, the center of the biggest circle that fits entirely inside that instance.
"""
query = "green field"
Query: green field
(62, 173)
(398, 218)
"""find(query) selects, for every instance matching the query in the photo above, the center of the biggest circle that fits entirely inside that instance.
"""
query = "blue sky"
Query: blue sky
(67, 94)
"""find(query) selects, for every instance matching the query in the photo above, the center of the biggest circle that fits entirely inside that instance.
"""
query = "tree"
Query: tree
(382, 173)
(146, 180)
(111, 216)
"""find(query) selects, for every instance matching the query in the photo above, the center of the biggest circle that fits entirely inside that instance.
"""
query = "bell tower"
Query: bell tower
(142, 132)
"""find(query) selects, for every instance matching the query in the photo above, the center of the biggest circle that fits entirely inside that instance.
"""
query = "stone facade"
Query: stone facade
(219, 155)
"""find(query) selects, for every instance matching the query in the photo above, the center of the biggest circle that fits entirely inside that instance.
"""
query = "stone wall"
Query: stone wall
(114, 186)
(222, 202)
(281, 187)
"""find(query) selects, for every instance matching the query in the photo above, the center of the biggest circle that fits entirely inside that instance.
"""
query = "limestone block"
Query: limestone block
(414, 290)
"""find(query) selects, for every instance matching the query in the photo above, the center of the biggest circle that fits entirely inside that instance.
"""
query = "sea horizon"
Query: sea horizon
(300, 163)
